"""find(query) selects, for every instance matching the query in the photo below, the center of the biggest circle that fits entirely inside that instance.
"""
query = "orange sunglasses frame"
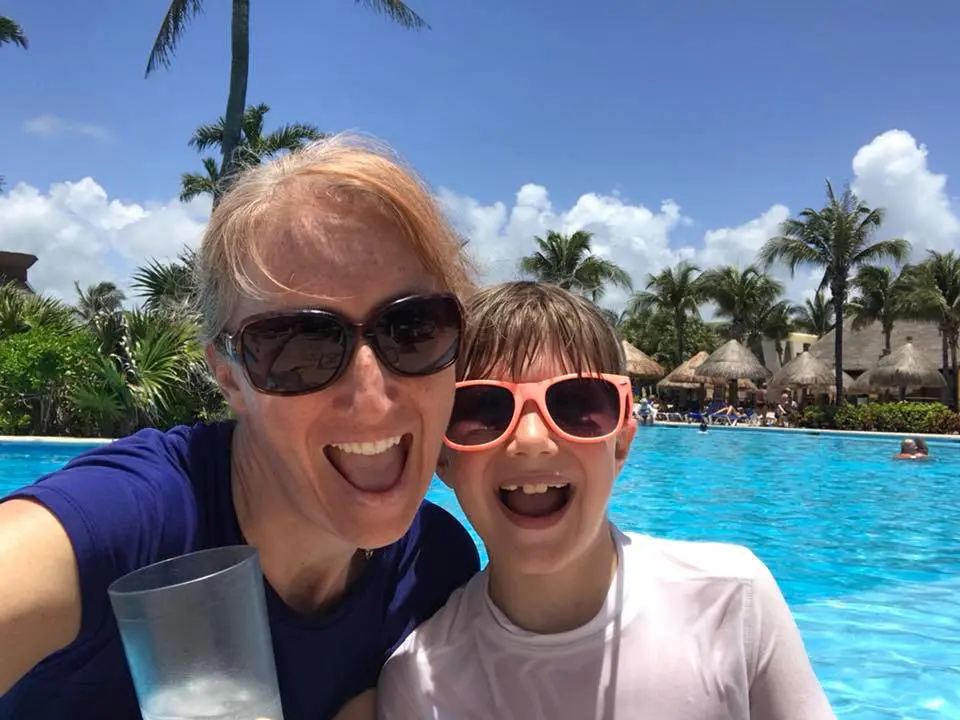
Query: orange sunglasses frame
(537, 392)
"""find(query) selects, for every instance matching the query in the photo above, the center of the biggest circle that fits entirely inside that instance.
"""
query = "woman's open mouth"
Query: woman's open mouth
(373, 466)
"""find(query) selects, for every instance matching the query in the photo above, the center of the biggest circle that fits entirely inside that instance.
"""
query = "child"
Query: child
(572, 618)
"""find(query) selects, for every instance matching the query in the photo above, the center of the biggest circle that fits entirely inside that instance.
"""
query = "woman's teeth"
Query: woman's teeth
(535, 489)
(368, 448)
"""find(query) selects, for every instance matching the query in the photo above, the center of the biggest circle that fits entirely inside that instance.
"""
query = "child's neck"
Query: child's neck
(559, 601)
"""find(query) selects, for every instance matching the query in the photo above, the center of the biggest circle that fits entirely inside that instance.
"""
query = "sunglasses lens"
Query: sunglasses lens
(584, 407)
(293, 353)
(419, 335)
(481, 414)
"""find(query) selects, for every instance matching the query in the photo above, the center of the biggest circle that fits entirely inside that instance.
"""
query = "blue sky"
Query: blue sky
(726, 108)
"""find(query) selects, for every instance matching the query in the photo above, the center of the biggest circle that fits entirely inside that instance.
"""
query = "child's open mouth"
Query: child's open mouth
(538, 500)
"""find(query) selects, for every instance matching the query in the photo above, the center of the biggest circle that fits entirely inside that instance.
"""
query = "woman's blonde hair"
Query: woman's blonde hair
(340, 168)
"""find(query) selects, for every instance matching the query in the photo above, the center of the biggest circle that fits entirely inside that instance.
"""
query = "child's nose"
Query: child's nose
(532, 435)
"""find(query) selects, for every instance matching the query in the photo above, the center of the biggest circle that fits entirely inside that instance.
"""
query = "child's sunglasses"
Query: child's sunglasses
(303, 351)
(580, 408)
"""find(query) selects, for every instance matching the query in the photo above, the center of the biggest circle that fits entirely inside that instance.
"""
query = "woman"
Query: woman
(327, 288)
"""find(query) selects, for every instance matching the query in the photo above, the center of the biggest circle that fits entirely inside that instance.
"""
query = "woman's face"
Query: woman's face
(333, 454)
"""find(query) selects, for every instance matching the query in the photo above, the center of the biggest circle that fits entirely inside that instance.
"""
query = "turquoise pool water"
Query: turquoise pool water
(867, 550)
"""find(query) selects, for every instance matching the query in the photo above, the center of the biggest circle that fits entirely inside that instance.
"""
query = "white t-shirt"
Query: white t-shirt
(689, 631)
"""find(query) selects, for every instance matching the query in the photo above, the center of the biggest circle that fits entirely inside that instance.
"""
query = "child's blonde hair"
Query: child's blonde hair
(509, 325)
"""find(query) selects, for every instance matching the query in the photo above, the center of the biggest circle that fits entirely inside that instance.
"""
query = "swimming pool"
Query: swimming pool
(867, 550)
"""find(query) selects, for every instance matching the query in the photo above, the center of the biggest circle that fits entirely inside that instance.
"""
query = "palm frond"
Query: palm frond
(178, 16)
(397, 11)
(11, 32)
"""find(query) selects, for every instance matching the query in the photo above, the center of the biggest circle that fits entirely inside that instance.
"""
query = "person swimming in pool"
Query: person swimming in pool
(908, 450)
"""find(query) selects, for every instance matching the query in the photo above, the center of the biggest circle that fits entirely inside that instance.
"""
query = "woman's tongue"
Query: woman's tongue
(538, 504)
(370, 473)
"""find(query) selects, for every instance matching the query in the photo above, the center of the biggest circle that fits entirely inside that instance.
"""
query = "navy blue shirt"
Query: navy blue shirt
(155, 495)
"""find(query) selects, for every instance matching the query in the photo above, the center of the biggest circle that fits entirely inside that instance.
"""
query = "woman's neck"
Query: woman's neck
(560, 601)
(308, 569)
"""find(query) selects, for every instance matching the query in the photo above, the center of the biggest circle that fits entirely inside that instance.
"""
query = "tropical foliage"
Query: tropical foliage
(11, 33)
(97, 368)
(254, 147)
(568, 261)
(838, 239)
(179, 15)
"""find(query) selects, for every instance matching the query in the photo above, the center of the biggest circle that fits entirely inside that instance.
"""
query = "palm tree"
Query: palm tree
(21, 311)
(12, 33)
(739, 295)
(194, 184)
(104, 298)
(168, 287)
(772, 320)
(676, 292)
(879, 299)
(838, 239)
(567, 261)
(181, 12)
(814, 316)
(931, 293)
(254, 147)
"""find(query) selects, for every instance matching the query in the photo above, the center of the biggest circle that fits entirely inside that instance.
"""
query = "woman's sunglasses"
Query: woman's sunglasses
(580, 408)
(302, 351)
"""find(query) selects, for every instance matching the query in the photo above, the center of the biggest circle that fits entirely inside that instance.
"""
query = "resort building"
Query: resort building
(14, 267)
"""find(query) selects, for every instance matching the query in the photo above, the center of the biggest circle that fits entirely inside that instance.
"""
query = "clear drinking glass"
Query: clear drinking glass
(197, 638)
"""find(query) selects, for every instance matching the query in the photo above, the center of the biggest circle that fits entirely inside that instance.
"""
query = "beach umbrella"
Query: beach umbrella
(640, 365)
(905, 369)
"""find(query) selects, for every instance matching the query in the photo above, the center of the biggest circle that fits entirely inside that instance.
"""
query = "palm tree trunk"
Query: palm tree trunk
(838, 289)
(237, 99)
(953, 369)
(679, 322)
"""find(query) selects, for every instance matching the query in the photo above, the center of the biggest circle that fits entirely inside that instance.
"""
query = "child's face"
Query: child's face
(535, 531)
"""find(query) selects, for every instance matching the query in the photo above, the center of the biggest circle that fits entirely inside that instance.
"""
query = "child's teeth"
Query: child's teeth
(368, 448)
(533, 489)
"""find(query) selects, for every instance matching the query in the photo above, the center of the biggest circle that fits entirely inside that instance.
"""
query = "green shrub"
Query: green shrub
(898, 417)
(38, 370)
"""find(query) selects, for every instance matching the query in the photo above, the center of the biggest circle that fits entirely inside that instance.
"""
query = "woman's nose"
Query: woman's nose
(366, 388)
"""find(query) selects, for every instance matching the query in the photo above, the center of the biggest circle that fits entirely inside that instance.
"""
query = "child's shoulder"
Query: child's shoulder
(671, 559)
(446, 627)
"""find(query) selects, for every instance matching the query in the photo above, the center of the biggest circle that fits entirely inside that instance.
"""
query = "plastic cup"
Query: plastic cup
(197, 638)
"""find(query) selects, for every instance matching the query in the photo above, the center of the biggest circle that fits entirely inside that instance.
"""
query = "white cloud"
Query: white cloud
(53, 126)
(634, 235)
(78, 233)
(892, 172)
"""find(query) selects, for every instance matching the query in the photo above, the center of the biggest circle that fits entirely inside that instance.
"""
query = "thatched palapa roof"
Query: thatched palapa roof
(862, 348)
(641, 365)
(907, 367)
(733, 361)
(806, 371)
(683, 376)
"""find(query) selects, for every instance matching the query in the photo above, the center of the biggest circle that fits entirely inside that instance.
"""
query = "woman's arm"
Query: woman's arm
(40, 588)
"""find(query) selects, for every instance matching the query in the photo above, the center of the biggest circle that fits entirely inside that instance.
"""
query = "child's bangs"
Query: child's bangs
(504, 338)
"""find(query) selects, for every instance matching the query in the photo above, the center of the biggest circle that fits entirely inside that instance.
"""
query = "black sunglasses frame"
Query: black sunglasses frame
(231, 344)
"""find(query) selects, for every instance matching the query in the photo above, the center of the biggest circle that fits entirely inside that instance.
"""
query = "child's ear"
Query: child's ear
(624, 440)
(443, 464)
